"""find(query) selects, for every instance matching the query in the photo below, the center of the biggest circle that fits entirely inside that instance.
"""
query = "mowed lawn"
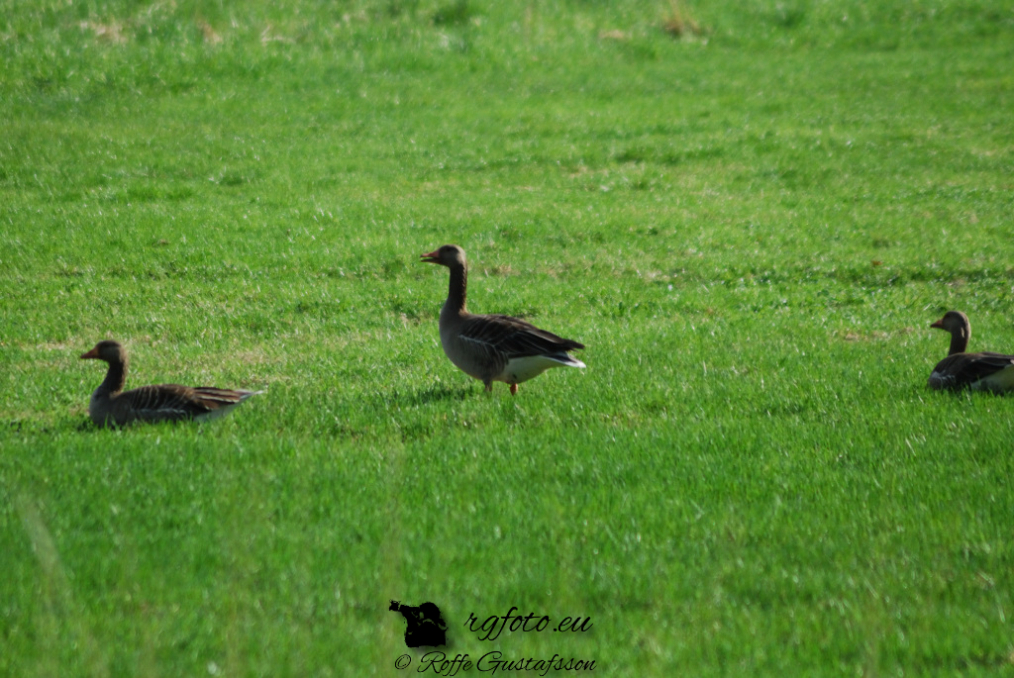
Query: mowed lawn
(749, 214)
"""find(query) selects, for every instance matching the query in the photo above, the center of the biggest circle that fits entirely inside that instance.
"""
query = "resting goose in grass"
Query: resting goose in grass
(493, 347)
(111, 405)
(978, 371)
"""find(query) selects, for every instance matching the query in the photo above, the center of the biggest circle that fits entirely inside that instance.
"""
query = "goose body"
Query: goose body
(493, 347)
(111, 405)
(977, 371)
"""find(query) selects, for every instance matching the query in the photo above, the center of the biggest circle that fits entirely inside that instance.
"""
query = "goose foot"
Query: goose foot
(514, 389)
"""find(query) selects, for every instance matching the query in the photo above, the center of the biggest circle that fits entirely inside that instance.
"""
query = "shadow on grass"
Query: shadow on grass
(435, 394)
(405, 414)
(27, 426)
(88, 426)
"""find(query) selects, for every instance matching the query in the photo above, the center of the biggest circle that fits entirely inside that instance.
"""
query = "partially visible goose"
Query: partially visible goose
(978, 371)
(111, 405)
(493, 347)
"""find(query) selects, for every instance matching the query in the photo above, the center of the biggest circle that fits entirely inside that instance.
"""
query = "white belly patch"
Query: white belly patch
(523, 369)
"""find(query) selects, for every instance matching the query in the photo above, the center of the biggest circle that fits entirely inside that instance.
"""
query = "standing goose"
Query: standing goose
(978, 371)
(493, 347)
(110, 404)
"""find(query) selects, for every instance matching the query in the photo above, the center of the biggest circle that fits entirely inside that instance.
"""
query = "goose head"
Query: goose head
(448, 255)
(109, 351)
(953, 322)
(960, 329)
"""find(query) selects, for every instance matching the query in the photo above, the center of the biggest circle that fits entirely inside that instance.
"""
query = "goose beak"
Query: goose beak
(92, 354)
(431, 258)
(938, 324)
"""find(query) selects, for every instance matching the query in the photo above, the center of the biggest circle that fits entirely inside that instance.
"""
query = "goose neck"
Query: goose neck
(959, 340)
(457, 292)
(115, 379)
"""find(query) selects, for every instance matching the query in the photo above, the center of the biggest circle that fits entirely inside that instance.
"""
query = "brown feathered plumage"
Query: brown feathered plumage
(493, 347)
(111, 405)
(977, 371)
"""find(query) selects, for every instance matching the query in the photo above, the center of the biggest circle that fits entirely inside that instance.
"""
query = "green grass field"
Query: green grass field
(750, 225)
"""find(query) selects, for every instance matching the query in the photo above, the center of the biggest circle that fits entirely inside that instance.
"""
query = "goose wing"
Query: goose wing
(975, 370)
(173, 402)
(512, 337)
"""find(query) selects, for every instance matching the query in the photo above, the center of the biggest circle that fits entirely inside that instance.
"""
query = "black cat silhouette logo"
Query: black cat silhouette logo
(425, 625)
